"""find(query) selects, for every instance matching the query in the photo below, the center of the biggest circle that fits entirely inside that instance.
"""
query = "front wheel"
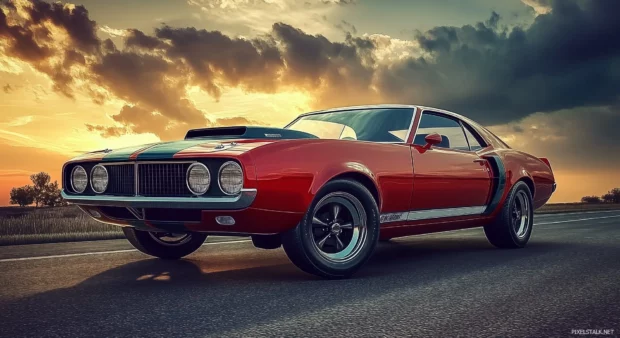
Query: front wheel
(338, 233)
(165, 245)
(512, 227)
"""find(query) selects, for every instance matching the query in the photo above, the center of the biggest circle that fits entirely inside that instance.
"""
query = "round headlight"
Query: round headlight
(99, 179)
(198, 178)
(231, 178)
(79, 179)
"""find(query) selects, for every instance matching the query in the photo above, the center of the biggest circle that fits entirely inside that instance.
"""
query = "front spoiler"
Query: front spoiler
(241, 201)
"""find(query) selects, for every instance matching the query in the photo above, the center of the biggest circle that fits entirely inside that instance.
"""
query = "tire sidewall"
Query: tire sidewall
(520, 186)
(143, 241)
(372, 223)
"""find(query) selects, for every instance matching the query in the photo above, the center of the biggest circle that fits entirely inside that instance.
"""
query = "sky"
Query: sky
(544, 75)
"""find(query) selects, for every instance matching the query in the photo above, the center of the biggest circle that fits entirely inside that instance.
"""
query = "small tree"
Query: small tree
(22, 196)
(40, 182)
(41, 193)
(591, 199)
(50, 196)
(615, 195)
(608, 198)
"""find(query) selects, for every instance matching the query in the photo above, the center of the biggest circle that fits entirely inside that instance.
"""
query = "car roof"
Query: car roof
(385, 106)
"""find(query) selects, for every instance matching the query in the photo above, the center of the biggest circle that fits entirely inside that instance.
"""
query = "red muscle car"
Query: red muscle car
(326, 187)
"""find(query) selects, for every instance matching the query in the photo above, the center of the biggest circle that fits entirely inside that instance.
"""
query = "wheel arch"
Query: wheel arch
(527, 179)
(364, 180)
(355, 171)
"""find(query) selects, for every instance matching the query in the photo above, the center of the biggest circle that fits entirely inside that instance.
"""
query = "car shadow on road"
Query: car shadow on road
(217, 294)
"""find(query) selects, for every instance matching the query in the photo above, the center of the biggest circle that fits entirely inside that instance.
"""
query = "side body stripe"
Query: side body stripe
(417, 215)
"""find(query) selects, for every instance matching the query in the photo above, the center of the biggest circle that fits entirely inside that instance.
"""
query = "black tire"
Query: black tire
(148, 244)
(506, 231)
(266, 241)
(300, 244)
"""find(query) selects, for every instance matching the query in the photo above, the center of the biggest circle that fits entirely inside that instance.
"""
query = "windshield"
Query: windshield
(374, 125)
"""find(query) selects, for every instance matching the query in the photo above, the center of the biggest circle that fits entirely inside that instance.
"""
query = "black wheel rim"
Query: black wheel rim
(170, 239)
(339, 229)
(520, 214)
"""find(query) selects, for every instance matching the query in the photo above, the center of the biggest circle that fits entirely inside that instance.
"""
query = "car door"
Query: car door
(450, 179)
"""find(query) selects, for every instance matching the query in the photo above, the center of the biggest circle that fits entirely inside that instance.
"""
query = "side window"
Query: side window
(475, 141)
(450, 130)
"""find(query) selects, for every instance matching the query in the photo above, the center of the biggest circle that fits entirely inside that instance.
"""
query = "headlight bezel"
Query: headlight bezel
(219, 177)
(92, 176)
(187, 178)
(72, 181)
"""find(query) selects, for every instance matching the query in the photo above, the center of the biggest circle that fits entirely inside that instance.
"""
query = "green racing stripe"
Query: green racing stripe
(123, 154)
(165, 151)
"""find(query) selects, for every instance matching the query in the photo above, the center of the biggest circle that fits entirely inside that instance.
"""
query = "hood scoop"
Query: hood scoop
(246, 133)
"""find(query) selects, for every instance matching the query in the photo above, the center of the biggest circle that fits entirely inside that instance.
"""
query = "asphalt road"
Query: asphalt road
(445, 285)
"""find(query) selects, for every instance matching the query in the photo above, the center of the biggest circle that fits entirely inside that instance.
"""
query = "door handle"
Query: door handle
(480, 160)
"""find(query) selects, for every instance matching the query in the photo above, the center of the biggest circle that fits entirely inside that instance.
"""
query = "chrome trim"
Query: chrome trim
(240, 201)
(393, 217)
(91, 179)
(197, 164)
(416, 215)
(146, 162)
(363, 107)
(440, 213)
(219, 174)
(136, 170)
(385, 106)
(136, 179)
(71, 179)
(413, 117)
(414, 109)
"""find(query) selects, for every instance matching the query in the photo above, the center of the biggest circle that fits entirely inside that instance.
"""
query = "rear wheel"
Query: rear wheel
(512, 227)
(165, 245)
(338, 233)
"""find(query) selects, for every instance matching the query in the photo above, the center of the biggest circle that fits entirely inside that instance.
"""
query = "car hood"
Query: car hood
(199, 142)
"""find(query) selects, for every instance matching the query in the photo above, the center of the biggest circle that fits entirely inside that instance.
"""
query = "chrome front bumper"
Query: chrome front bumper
(241, 201)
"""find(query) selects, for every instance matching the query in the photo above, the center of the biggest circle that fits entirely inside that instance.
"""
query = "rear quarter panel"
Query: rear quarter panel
(290, 173)
(520, 165)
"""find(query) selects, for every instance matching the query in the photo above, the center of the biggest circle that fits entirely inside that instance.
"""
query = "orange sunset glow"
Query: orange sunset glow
(85, 76)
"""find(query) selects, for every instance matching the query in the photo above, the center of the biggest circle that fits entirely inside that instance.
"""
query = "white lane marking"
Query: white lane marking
(232, 242)
(575, 213)
(577, 220)
(99, 253)
(65, 255)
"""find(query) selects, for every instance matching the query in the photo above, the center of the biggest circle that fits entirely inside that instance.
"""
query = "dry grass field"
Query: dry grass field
(65, 224)
(42, 225)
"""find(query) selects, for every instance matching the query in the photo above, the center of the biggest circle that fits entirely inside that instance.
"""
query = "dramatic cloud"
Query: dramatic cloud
(567, 58)
(539, 6)
(579, 139)
(251, 17)
(217, 60)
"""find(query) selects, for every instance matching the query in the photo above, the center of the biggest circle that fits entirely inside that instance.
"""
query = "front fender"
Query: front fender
(290, 173)
(338, 169)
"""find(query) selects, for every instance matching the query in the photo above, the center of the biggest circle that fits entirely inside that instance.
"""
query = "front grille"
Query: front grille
(122, 180)
(148, 179)
(163, 179)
